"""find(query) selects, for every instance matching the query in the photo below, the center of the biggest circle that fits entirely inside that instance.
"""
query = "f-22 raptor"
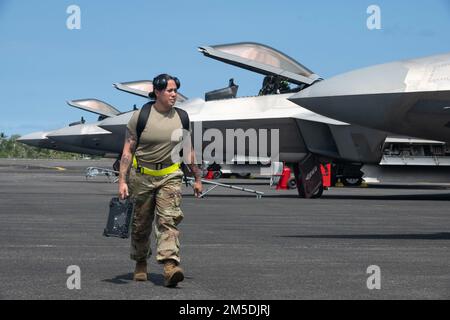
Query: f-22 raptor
(306, 139)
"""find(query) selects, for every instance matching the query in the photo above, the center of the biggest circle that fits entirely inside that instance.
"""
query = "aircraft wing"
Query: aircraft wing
(94, 106)
(142, 88)
(261, 59)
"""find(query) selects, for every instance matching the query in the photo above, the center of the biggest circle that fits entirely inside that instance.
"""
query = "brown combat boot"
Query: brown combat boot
(172, 273)
(140, 273)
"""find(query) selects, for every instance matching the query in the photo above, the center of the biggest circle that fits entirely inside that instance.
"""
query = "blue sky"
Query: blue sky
(43, 63)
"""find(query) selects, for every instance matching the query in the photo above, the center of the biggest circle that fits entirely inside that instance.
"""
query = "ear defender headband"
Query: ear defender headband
(160, 82)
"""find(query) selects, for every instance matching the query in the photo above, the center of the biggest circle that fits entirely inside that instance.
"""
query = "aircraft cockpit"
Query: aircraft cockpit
(282, 73)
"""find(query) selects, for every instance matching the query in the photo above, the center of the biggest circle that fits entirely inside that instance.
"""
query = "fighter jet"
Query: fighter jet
(410, 97)
(79, 137)
(305, 138)
(301, 132)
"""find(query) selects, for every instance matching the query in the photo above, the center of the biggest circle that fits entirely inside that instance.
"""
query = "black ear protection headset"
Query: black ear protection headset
(160, 82)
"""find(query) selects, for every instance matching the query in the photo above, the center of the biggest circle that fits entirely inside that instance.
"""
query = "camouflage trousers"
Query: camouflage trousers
(160, 197)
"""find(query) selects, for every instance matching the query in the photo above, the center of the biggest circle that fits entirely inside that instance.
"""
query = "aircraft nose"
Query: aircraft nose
(34, 139)
(75, 134)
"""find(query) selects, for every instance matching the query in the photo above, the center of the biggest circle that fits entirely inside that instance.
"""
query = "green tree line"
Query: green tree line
(11, 148)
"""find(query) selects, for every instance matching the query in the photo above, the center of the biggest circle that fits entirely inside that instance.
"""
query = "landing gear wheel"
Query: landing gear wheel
(318, 193)
(292, 184)
(299, 184)
(217, 175)
(311, 185)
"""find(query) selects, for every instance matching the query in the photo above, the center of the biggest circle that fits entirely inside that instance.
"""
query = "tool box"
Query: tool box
(119, 218)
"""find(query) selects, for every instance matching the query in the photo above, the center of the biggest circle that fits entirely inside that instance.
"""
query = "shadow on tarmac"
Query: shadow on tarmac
(406, 186)
(432, 236)
(121, 279)
(409, 197)
(127, 278)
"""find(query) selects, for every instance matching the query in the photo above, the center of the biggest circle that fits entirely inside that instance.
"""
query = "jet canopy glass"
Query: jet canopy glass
(95, 106)
(142, 88)
(261, 59)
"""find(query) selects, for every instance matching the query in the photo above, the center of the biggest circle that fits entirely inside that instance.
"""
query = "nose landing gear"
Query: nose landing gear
(309, 178)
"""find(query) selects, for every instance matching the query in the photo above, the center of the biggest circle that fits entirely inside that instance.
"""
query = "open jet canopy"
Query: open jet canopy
(95, 106)
(142, 88)
(261, 59)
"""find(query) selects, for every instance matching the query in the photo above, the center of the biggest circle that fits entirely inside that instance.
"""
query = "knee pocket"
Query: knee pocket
(170, 217)
(169, 200)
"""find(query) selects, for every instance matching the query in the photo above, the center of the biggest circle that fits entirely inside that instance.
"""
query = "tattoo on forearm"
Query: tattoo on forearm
(125, 166)
(193, 165)
(195, 170)
(127, 156)
(131, 139)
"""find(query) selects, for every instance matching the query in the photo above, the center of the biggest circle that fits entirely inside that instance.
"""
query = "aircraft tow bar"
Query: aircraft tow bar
(112, 176)
(190, 181)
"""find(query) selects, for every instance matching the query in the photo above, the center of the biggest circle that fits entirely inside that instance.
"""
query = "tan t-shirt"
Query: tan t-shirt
(156, 141)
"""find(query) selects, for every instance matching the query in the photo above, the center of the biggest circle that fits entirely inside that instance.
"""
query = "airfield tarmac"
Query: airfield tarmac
(234, 246)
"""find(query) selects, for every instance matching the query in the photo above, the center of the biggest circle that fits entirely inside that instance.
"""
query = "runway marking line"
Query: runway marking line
(57, 168)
